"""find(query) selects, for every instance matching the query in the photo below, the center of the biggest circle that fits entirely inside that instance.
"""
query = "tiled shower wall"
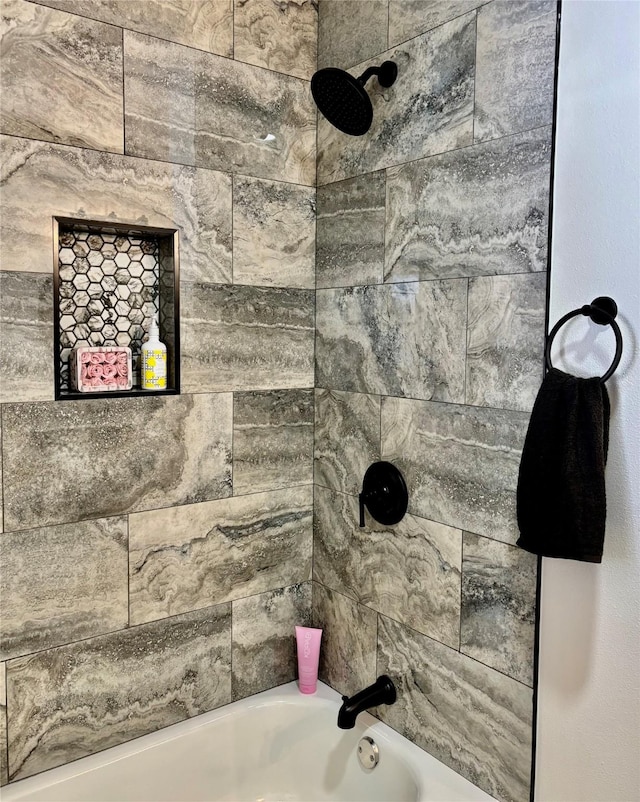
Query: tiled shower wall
(156, 552)
(431, 258)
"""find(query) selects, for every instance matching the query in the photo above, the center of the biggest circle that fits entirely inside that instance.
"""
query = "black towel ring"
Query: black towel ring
(602, 311)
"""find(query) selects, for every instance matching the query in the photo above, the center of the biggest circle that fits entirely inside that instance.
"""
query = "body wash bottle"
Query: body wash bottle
(154, 360)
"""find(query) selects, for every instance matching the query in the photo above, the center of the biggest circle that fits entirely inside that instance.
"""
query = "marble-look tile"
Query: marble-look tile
(204, 24)
(3, 725)
(61, 77)
(39, 179)
(350, 31)
(482, 210)
(460, 463)
(90, 459)
(26, 337)
(187, 557)
(1, 494)
(264, 639)
(246, 338)
(272, 440)
(470, 717)
(350, 235)
(429, 109)
(409, 18)
(515, 67)
(498, 606)
(62, 584)
(274, 233)
(348, 647)
(281, 35)
(347, 438)
(396, 339)
(505, 340)
(75, 700)
(190, 107)
(409, 572)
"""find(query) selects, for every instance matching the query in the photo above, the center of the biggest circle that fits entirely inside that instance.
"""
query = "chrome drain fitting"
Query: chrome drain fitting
(368, 753)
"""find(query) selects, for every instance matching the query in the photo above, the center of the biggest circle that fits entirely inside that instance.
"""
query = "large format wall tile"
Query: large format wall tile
(274, 233)
(429, 109)
(409, 18)
(409, 572)
(347, 438)
(39, 180)
(350, 235)
(264, 639)
(460, 463)
(470, 717)
(279, 34)
(190, 107)
(505, 340)
(272, 440)
(396, 339)
(481, 210)
(183, 558)
(61, 77)
(246, 338)
(516, 67)
(350, 32)
(62, 584)
(84, 459)
(3, 725)
(79, 699)
(26, 337)
(205, 24)
(498, 606)
(348, 647)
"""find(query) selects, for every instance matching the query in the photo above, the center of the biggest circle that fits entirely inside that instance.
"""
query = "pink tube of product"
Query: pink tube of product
(308, 640)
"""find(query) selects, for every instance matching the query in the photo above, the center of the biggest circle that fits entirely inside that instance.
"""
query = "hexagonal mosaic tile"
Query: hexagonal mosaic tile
(107, 291)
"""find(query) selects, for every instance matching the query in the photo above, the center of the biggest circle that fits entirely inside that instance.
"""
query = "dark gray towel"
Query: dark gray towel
(561, 491)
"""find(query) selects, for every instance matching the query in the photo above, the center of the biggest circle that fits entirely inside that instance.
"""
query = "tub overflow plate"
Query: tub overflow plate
(368, 753)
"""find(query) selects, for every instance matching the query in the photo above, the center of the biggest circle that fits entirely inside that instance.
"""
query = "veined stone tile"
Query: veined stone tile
(516, 67)
(61, 77)
(348, 646)
(1, 495)
(350, 232)
(272, 440)
(498, 606)
(460, 463)
(350, 31)
(347, 438)
(279, 35)
(190, 107)
(274, 233)
(246, 338)
(3, 725)
(91, 459)
(409, 572)
(188, 557)
(205, 24)
(26, 337)
(505, 340)
(396, 339)
(409, 18)
(264, 638)
(61, 584)
(39, 179)
(482, 210)
(470, 717)
(429, 109)
(75, 700)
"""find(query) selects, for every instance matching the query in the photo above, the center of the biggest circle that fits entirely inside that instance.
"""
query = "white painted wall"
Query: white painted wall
(589, 703)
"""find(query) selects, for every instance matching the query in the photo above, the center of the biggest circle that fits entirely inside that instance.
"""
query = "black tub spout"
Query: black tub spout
(383, 691)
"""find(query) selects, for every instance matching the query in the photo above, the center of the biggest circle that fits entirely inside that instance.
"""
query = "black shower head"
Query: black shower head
(344, 101)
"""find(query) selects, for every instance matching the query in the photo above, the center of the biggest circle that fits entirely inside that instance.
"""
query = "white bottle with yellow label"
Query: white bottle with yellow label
(154, 360)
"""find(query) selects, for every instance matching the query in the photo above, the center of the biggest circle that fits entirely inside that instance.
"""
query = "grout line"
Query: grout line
(124, 112)
(466, 345)
(128, 573)
(475, 81)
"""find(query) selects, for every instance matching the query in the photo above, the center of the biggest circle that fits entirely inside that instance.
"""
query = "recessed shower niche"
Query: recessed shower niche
(110, 280)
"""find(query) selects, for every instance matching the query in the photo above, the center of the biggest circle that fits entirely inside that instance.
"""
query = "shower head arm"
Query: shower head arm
(386, 72)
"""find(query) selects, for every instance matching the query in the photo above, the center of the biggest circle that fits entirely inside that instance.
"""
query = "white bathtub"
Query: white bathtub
(278, 746)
